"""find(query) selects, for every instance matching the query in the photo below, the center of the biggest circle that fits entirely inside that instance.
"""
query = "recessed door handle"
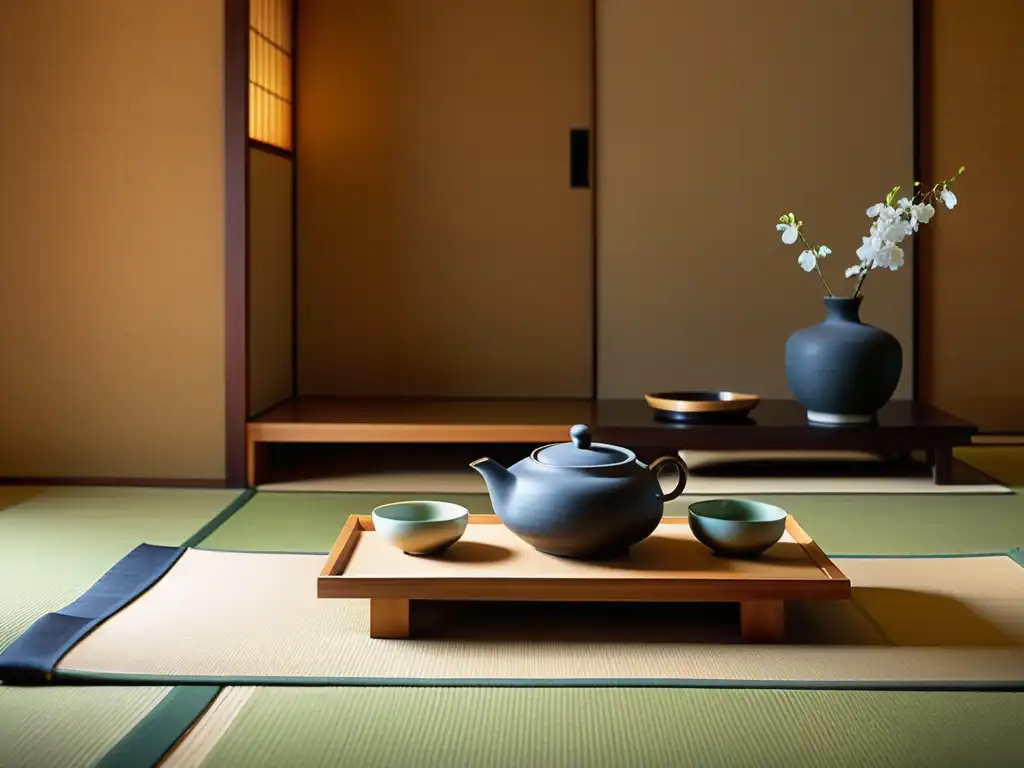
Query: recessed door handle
(579, 158)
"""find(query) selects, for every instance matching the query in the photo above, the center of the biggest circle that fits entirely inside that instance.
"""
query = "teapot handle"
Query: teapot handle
(659, 464)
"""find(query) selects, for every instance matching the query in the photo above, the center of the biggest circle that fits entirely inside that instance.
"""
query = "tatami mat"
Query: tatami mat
(309, 522)
(445, 469)
(74, 726)
(225, 616)
(881, 525)
(611, 728)
(68, 727)
(57, 542)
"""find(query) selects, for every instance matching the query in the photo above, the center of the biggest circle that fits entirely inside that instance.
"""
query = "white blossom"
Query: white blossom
(866, 252)
(789, 233)
(889, 225)
(891, 257)
(808, 260)
(920, 214)
(880, 250)
(948, 198)
(924, 212)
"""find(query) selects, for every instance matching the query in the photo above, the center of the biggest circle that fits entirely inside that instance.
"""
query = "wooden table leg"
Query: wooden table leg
(942, 464)
(762, 621)
(256, 462)
(389, 618)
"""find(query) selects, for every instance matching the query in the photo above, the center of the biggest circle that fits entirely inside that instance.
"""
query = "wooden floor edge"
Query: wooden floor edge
(1008, 439)
(349, 432)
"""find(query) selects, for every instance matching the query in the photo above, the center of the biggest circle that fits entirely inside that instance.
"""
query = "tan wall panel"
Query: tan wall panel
(972, 269)
(270, 279)
(714, 118)
(441, 251)
(111, 239)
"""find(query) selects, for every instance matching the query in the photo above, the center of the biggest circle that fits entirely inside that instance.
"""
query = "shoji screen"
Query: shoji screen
(270, 72)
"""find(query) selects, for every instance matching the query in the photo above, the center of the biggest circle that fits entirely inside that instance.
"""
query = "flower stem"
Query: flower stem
(932, 193)
(816, 267)
(860, 282)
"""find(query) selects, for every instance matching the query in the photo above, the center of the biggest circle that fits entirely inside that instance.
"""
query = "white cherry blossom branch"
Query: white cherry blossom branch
(882, 249)
(893, 221)
(791, 232)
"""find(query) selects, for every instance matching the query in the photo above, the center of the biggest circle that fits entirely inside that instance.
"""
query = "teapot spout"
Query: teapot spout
(499, 482)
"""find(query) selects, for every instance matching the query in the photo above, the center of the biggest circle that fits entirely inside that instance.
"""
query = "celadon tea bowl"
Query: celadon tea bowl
(420, 527)
(737, 527)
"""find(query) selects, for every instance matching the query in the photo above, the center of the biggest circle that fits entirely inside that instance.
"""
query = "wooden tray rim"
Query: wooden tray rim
(331, 582)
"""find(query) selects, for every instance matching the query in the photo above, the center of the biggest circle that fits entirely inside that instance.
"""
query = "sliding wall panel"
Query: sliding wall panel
(270, 279)
(972, 265)
(442, 250)
(714, 118)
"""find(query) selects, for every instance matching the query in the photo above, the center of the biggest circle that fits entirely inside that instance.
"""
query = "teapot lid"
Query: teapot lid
(581, 452)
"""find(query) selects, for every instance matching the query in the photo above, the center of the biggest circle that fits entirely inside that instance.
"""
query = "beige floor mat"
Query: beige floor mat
(231, 615)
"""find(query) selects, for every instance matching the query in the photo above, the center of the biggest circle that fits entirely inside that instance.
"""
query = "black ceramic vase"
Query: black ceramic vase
(842, 370)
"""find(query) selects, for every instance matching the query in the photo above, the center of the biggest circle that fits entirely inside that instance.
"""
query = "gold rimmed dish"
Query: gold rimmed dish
(698, 406)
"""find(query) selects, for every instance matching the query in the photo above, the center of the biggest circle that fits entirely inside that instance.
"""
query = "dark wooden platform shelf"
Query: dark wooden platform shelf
(903, 427)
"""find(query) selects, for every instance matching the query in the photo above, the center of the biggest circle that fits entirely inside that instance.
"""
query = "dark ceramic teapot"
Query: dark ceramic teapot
(580, 499)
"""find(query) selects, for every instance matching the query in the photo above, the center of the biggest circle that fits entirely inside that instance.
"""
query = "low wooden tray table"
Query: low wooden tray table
(490, 563)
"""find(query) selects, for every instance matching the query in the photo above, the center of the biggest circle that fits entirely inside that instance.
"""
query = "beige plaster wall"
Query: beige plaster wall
(111, 239)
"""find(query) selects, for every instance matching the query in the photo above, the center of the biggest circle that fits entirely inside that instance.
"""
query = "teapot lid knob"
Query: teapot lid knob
(581, 452)
(580, 435)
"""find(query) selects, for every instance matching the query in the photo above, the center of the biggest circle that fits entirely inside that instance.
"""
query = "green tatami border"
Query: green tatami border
(153, 737)
(222, 517)
(71, 677)
(1015, 553)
